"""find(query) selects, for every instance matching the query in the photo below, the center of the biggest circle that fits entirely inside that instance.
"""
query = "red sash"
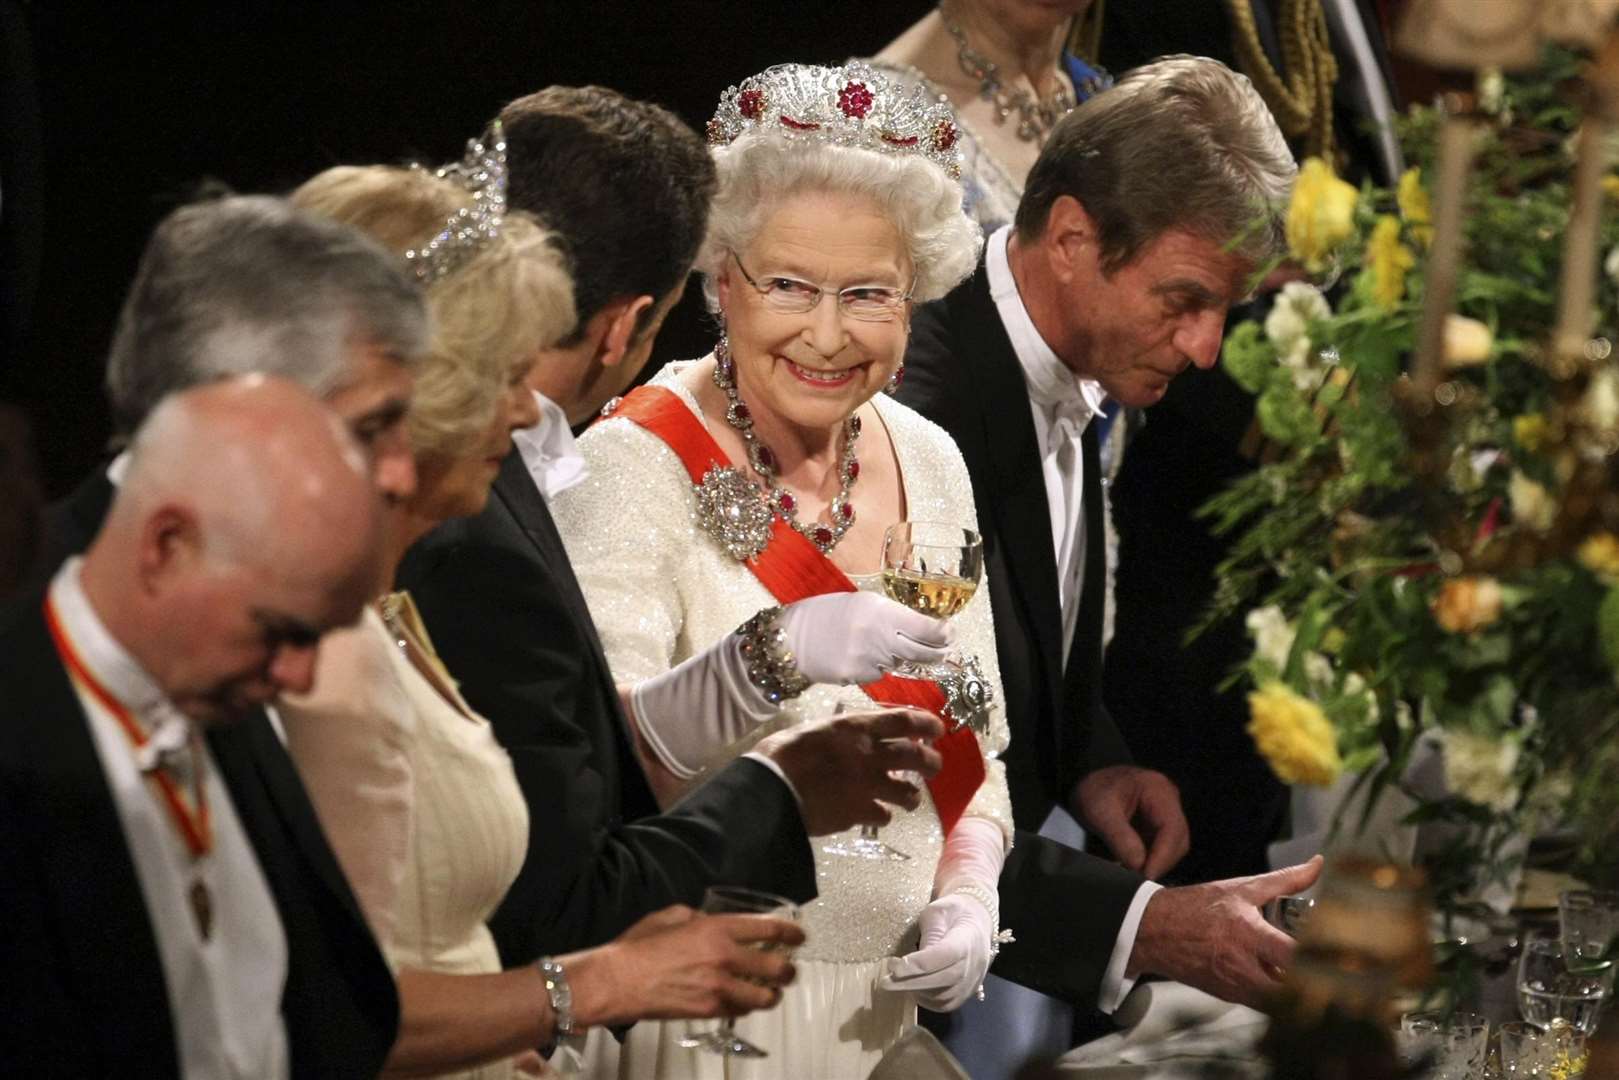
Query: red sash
(792, 569)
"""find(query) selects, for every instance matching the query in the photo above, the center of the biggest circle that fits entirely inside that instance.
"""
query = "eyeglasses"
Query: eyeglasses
(868, 303)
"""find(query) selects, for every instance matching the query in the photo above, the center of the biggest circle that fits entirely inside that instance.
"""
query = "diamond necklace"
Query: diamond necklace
(1036, 116)
(763, 460)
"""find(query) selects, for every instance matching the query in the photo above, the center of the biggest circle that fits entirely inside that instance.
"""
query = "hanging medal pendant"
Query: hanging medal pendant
(202, 909)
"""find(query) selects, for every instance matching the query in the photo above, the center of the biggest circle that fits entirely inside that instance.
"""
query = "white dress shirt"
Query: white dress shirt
(549, 450)
(224, 991)
(1063, 405)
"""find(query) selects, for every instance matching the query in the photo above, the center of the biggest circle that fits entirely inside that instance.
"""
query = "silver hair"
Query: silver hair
(1181, 143)
(246, 284)
(759, 170)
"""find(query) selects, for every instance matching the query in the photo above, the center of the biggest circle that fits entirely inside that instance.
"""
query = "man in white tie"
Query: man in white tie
(244, 529)
(1141, 223)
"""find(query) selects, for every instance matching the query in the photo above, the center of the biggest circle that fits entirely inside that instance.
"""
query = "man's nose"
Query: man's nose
(1198, 338)
(293, 669)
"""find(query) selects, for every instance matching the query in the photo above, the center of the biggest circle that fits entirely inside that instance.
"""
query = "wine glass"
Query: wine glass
(1550, 990)
(933, 569)
(868, 844)
(1589, 920)
(732, 900)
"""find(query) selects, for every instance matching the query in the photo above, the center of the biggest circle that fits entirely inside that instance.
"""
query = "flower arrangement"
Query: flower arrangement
(1441, 571)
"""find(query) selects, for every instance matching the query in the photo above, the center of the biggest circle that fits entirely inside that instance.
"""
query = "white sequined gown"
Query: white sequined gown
(660, 590)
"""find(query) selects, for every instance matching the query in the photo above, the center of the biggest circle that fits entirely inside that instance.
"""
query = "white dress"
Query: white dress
(660, 590)
(419, 801)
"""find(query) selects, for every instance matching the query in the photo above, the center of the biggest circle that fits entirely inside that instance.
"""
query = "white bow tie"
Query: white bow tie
(1067, 424)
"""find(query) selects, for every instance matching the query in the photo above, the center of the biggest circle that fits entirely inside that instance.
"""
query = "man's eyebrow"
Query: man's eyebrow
(384, 414)
(1189, 289)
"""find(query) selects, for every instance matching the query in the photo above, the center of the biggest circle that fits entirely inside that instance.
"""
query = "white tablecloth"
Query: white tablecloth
(1169, 1031)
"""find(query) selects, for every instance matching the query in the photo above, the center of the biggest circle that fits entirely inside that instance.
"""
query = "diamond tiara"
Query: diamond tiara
(852, 105)
(482, 172)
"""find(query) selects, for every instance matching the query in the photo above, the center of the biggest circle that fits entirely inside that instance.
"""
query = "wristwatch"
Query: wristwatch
(561, 995)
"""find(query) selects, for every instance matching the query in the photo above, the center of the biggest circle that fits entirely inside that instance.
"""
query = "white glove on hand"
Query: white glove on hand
(958, 929)
(846, 639)
(953, 958)
(709, 701)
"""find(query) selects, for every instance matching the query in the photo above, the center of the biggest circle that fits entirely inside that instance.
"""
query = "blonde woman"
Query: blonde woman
(418, 799)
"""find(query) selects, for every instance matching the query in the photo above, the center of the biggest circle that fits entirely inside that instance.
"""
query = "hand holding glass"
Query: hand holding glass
(726, 900)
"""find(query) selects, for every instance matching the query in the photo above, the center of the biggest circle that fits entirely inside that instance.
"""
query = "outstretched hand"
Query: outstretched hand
(1215, 937)
(1137, 813)
(840, 766)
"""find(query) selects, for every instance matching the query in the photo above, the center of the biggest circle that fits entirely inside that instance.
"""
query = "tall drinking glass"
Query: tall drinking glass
(727, 900)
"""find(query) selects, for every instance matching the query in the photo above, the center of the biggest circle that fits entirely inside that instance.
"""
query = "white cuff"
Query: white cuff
(1114, 983)
(769, 763)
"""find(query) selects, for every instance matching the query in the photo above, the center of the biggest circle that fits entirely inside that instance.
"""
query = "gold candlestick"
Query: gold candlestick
(1458, 140)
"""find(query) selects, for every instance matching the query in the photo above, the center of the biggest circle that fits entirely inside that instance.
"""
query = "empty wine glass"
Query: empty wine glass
(1549, 989)
(729, 900)
(867, 844)
(1589, 920)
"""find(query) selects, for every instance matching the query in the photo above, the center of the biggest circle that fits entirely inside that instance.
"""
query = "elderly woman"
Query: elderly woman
(765, 475)
(418, 799)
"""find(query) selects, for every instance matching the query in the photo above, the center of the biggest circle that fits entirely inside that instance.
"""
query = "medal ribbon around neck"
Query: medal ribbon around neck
(791, 568)
(191, 819)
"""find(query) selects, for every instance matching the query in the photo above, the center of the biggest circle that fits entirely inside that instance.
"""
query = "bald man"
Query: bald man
(147, 933)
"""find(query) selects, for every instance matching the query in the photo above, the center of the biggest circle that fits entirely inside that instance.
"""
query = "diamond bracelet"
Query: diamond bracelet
(771, 665)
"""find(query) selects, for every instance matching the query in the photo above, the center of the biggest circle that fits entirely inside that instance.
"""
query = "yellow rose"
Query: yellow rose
(1466, 604)
(1467, 342)
(1529, 431)
(1389, 260)
(1599, 553)
(1321, 215)
(1293, 735)
(1610, 185)
(1412, 198)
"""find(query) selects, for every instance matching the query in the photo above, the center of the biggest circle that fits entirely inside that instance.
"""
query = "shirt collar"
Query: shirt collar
(550, 451)
(101, 653)
(1051, 384)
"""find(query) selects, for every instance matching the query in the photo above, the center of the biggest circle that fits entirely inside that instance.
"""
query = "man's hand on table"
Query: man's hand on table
(1215, 937)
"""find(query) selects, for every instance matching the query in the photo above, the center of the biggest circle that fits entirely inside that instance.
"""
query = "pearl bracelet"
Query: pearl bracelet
(992, 904)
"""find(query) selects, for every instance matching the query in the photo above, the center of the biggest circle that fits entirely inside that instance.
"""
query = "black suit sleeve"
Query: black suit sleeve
(497, 617)
(1065, 908)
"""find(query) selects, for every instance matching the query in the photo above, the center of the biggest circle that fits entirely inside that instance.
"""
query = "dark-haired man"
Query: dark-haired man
(1134, 235)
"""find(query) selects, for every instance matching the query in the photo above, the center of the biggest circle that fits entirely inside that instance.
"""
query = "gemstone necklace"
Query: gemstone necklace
(1036, 116)
(824, 536)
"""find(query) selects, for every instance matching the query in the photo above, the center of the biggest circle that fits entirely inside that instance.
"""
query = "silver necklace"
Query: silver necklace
(1036, 116)
(841, 512)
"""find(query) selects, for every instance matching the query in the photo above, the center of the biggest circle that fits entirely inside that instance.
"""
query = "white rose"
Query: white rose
(1273, 636)
(1532, 504)
(1611, 264)
(1355, 686)
(1479, 768)
(1296, 307)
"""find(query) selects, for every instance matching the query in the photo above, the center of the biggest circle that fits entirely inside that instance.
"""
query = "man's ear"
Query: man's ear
(170, 542)
(621, 319)
(1070, 238)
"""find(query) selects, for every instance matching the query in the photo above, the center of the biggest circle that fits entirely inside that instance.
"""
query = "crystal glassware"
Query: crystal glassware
(728, 900)
(1550, 990)
(1528, 1052)
(933, 569)
(868, 844)
(1457, 1045)
(1589, 920)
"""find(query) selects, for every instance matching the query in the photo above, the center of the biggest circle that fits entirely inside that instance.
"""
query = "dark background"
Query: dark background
(111, 113)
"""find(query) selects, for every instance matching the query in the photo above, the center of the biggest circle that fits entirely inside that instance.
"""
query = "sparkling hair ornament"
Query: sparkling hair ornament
(483, 173)
(852, 105)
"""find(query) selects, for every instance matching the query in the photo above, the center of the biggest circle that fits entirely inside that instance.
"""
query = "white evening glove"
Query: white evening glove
(717, 696)
(959, 933)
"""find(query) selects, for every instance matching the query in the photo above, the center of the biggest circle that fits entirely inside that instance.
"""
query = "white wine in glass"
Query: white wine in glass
(732, 900)
(933, 569)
